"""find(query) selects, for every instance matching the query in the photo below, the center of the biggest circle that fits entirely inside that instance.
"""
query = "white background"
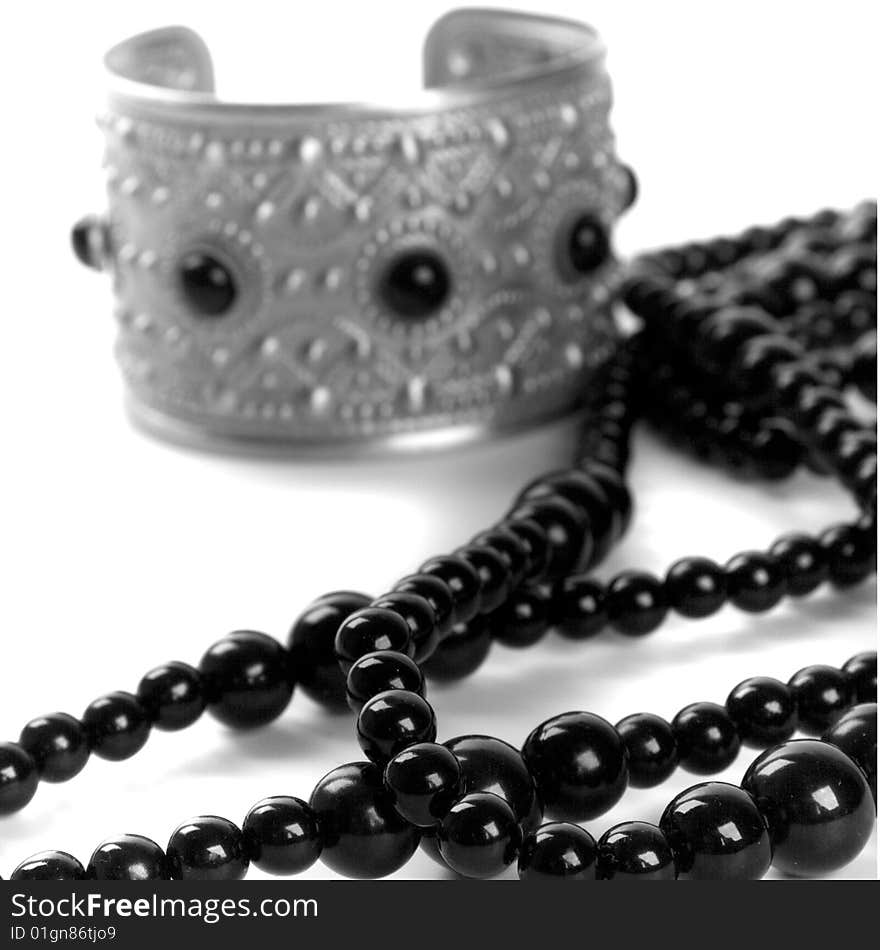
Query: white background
(119, 553)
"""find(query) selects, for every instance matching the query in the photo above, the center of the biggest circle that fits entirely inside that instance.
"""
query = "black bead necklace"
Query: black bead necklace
(723, 351)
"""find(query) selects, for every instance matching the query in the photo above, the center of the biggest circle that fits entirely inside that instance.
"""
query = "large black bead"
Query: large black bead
(763, 710)
(424, 781)
(579, 607)
(420, 616)
(247, 679)
(816, 802)
(856, 735)
(651, 750)
(393, 720)
(369, 630)
(49, 866)
(558, 851)
(364, 837)
(587, 245)
(695, 587)
(207, 849)
(58, 745)
(462, 580)
(312, 650)
(803, 562)
(495, 580)
(128, 858)
(861, 671)
(717, 833)
(479, 836)
(281, 835)
(755, 581)
(851, 554)
(636, 603)
(415, 284)
(635, 851)
(173, 695)
(438, 595)
(706, 737)
(18, 778)
(206, 283)
(462, 653)
(823, 694)
(117, 726)
(380, 671)
(578, 762)
(524, 619)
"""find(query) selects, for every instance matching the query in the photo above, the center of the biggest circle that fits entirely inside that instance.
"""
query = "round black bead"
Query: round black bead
(415, 284)
(49, 866)
(523, 619)
(368, 630)
(513, 550)
(364, 837)
(579, 607)
(803, 562)
(567, 529)
(128, 858)
(536, 541)
(817, 805)
(651, 750)
(861, 671)
(717, 833)
(424, 781)
(312, 651)
(557, 850)
(578, 762)
(173, 695)
(479, 836)
(851, 554)
(612, 483)
(706, 737)
(207, 848)
(206, 283)
(380, 671)
(764, 711)
(855, 733)
(823, 694)
(281, 835)
(462, 580)
(247, 679)
(420, 616)
(58, 745)
(695, 587)
(117, 726)
(495, 579)
(438, 595)
(18, 778)
(636, 603)
(755, 582)
(462, 652)
(635, 851)
(393, 720)
(587, 244)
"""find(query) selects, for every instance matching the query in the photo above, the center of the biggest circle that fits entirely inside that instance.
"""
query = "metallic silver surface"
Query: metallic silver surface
(306, 205)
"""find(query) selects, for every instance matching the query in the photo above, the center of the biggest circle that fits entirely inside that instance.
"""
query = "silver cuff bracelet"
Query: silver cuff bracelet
(350, 275)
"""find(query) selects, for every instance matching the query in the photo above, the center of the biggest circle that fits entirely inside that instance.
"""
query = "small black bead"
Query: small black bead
(851, 554)
(558, 850)
(861, 671)
(462, 653)
(493, 573)
(651, 750)
(173, 696)
(416, 284)
(438, 595)
(247, 679)
(567, 529)
(755, 581)
(311, 647)
(587, 245)
(117, 726)
(49, 866)
(855, 733)
(58, 745)
(823, 694)
(695, 587)
(424, 781)
(635, 851)
(463, 582)
(207, 848)
(281, 835)
(128, 858)
(706, 737)
(579, 607)
(18, 778)
(479, 836)
(764, 711)
(420, 616)
(636, 603)
(725, 331)
(369, 630)
(524, 619)
(535, 539)
(803, 563)
(206, 283)
(393, 720)
(378, 672)
(512, 549)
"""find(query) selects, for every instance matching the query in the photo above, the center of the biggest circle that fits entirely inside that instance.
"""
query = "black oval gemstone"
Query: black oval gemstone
(207, 285)
(416, 284)
(588, 246)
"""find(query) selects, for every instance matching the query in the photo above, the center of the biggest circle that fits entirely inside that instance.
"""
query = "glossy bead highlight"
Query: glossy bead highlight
(281, 835)
(58, 744)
